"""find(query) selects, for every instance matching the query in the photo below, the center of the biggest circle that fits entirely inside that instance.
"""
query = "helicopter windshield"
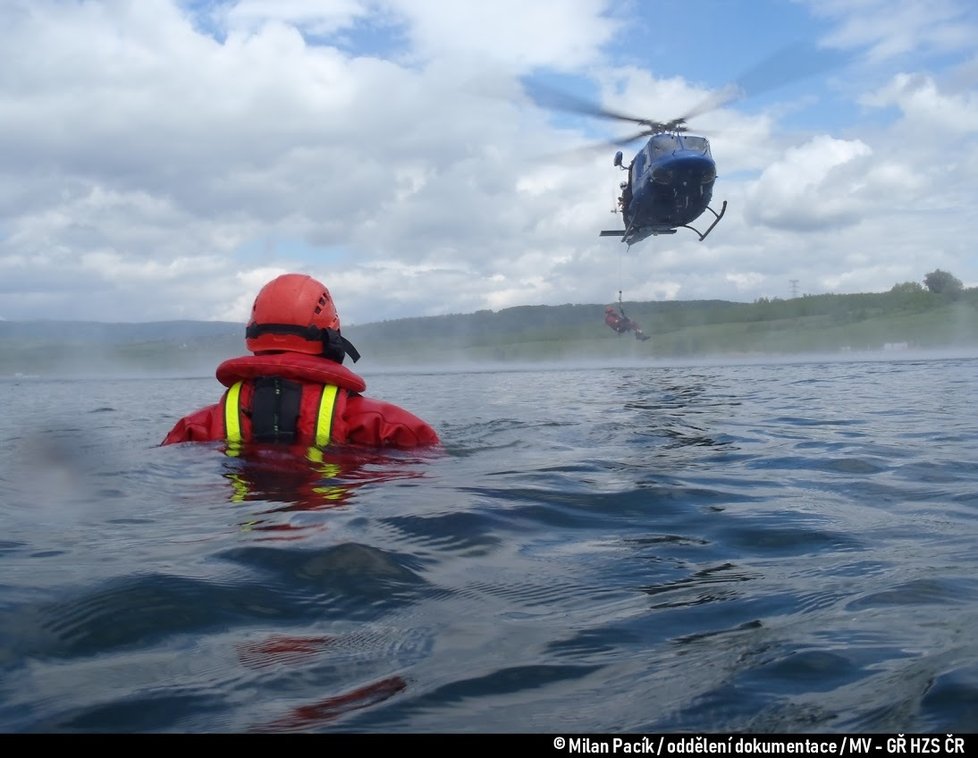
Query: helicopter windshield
(696, 144)
(663, 144)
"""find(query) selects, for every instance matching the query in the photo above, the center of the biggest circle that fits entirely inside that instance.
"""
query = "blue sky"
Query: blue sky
(163, 159)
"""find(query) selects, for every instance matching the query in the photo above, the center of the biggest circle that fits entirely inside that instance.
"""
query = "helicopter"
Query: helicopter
(669, 186)
(669, 182)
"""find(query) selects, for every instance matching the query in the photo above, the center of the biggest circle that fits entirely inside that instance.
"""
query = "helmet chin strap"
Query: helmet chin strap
(336, 346)
(351, 350)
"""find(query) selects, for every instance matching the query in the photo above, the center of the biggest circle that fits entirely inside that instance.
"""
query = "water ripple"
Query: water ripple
(754, 547)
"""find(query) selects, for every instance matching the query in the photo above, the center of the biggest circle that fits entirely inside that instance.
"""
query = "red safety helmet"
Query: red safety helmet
(295, 313)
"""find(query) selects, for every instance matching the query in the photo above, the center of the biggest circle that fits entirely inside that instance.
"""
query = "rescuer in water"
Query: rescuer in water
(293, 387)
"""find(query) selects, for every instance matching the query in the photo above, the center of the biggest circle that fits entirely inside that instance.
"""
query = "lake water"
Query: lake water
(755, 547)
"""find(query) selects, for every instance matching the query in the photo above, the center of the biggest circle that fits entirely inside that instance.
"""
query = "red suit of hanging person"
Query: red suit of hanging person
(620, 323)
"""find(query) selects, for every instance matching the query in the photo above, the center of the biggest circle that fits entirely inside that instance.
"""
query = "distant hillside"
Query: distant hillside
(905, 318)
(901, 319)
(58, 347)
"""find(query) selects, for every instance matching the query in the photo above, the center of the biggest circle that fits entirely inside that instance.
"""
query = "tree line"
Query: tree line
(937, 312)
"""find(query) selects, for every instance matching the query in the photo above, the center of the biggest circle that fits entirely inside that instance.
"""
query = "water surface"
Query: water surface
(763, 547)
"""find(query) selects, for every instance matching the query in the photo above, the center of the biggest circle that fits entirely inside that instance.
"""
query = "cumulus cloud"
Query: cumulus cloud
(816, 184)
(166, 158)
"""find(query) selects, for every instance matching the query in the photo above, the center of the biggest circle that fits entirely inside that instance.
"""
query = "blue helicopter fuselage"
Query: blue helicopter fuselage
(670, 185)
(671, 181)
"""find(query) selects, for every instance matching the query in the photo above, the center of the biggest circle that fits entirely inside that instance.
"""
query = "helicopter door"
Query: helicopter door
(637, 168)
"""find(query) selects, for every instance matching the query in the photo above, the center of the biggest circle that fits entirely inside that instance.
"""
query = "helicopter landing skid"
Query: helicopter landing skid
(723, 209)
(630, 235)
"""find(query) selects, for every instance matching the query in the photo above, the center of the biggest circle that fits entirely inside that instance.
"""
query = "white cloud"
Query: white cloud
(317, 17)
(889, 29)
(514, 33)
(924, 106)
(166, 161)
(812, 185)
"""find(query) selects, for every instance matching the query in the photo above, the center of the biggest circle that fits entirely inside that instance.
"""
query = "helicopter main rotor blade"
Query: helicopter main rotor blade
(622, 141)
(717, 100)
(563, 101)
(788, 64)
(595, 147)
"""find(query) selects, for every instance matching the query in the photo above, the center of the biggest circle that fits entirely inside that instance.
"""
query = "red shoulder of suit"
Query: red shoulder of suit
(357, 419)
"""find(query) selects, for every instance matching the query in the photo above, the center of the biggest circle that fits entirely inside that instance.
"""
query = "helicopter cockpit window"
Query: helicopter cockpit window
(698, 144)
(663, 144)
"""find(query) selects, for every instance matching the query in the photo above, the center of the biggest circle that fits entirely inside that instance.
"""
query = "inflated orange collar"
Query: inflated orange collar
(297, 366)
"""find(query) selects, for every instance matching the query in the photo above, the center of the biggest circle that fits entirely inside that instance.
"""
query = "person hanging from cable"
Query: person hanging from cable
(620, 323)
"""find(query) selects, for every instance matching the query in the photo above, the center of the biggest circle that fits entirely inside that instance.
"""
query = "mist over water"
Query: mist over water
(762, 546)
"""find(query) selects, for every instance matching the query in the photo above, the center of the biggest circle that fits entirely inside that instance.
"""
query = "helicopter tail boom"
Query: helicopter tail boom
(631, 235)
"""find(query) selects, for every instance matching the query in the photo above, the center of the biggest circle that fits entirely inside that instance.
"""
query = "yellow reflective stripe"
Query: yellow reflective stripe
(239, 487)
(232, 421)
(324, 419)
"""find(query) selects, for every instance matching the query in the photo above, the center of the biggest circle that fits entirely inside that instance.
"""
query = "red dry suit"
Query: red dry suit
(325, 401)
(620, 323)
